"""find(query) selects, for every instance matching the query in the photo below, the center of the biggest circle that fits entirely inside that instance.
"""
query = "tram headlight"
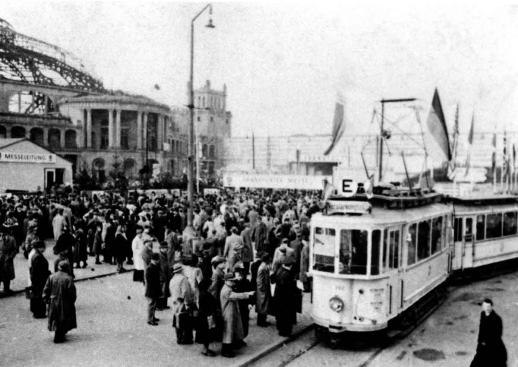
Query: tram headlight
(336, 304)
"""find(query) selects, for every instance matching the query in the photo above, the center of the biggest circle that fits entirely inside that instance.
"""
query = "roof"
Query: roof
(8, 142)
(114, 98)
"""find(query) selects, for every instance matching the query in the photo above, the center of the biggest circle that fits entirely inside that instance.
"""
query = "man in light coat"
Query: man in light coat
(183, 305)
(233, 333)
(233, 249)
(58, 223)
(264, 293)
(137, 245)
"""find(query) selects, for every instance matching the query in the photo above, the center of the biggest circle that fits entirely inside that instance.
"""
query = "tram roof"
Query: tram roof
(382, 216)
(484, 204)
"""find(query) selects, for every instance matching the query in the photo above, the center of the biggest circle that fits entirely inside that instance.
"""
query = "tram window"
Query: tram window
(394, 250)
(481, 227)
(423, 240)
(457, 230)
(436, 235)
(494, 225)
(385, 255)
(468, 233)
(375, 252)
(324, 250)
(411, 241)
(353, 252)
(509, 223)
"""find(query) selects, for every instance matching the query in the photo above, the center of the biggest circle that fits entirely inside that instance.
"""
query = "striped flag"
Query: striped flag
(368, 186)
(470, 145)
(338, 124)
(452, 166)
(328, 190)
(437, 126)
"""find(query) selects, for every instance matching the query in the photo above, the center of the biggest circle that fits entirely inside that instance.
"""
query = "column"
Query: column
(62, 138)
(111, 130)
(118, 128)
(145, 132)
(82, 140)
(160, 133)
(88, 131)
(139, 130)
(45, 137)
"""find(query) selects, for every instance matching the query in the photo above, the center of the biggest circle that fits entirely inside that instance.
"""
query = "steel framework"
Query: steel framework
(27, 59)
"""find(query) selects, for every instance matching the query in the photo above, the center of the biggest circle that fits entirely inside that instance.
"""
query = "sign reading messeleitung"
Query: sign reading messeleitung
(27, 157)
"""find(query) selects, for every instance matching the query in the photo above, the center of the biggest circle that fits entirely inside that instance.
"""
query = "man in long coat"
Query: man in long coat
(491, 350)
(304, 261)
(153, 288)
(58, 223)
(218, 275)
(260, 235)
(233, 333)
(39, 273)
(8, 251)
(247, 253)
(233, 249)
(165, 276)
(137, 245)
(60, 293)
(183, 305)
(264, 293)
(285, 298)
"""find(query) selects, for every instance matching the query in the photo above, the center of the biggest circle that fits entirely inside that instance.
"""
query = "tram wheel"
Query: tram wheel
(333, 343)
(319, 332)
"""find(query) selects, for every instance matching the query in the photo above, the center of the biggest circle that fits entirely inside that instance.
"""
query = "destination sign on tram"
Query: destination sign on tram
(348, 207)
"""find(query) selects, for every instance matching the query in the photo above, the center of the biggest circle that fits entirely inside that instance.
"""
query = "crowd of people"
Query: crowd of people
(243, 243)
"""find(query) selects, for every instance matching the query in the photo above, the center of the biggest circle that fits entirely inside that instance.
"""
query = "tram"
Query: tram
(375, 262)
(371, 260)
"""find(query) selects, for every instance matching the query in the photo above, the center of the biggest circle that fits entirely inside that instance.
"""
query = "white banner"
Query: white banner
(319, 158)
(27, 157)
(300, 182)
(210, 191)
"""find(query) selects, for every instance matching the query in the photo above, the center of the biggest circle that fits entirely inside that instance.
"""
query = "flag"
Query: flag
(505, 164)
(452, 166)
(368, 186)
(437, 126)
(338, 124)
(470, 145)
(493, 156)
(328, 190)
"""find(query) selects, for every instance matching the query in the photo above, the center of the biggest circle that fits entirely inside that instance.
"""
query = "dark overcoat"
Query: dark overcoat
(120, 246)
(491, 350)
(153, 288)
(263, 304)
(60, 294)
(285, 299)
(165, 274)
(39, 272)
(8, 251)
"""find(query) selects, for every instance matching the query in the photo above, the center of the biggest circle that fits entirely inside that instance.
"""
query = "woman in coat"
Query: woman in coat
(120, 245)
(285, 298)
(60, 294)
(233, 333)
(264, 294)
(39, 272)
(137, 245)
(207, 306)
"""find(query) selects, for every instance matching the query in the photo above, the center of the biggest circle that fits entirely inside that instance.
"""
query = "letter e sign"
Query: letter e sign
(349, 187)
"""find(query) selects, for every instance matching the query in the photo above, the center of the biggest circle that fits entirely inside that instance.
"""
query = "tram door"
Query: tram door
(391, 260)
(463, 242)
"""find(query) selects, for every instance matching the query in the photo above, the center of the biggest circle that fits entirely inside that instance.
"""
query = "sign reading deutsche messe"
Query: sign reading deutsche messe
(27, 157)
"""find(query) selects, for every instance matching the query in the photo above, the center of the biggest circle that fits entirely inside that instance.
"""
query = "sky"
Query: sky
(285, 64)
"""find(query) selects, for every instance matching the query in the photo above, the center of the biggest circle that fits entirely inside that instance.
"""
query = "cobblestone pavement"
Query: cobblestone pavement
(112, 331)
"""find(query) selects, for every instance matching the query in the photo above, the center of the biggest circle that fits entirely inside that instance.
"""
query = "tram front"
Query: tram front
(347, 253)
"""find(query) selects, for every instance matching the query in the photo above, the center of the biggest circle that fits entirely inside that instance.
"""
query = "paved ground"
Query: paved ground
(448, 338)
(112, 331)
(92, 270)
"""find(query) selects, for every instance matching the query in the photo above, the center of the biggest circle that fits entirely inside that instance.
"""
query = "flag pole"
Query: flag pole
(406, 172)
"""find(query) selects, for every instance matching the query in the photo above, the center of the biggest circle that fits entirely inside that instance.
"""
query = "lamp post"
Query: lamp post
(189, 232)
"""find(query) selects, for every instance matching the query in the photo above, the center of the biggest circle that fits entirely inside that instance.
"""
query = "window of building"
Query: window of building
(199, 119)
(324, 250)
(353, 252)
(125, 138)
(70, 139)
(494, 225)
(481, 227)
(105, 138)
(36, 136)
(211, 119)
(54, 139)
(411, 243)
(3, 132)
(18, 132)
(509, 224)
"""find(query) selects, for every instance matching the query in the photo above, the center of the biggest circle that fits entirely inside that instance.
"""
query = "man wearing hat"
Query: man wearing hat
(60, 294)
(233, 333)
(183, 305)
(165, 276)
(233, 248)
(281, 253)
(153, 289)
(218, 275)
(304, 261)
(264, 294)
(39, 273)
(243, 285)
(285, 298)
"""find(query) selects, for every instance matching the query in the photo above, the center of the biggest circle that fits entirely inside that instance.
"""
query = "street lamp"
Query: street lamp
(189, 231)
